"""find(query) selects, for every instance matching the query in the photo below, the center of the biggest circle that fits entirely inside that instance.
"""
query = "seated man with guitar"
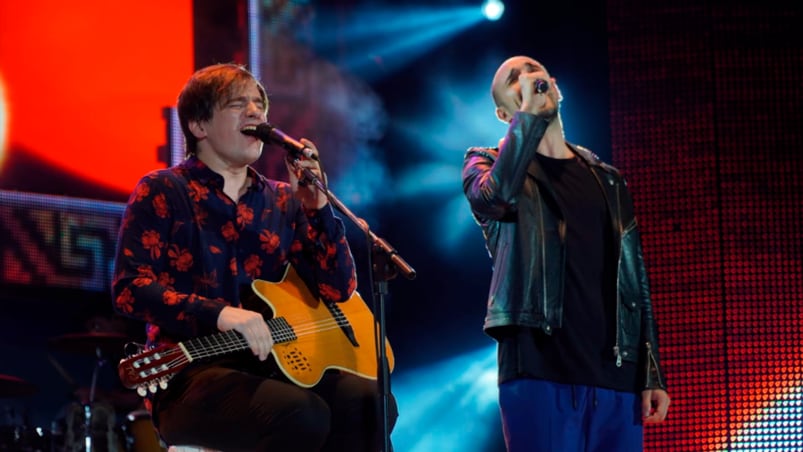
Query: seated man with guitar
(228, 267)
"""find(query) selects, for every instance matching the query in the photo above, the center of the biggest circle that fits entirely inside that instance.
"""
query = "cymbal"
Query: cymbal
(91, 343)
(15, 387)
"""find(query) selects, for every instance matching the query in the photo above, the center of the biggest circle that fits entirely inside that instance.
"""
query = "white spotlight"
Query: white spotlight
(493, 9)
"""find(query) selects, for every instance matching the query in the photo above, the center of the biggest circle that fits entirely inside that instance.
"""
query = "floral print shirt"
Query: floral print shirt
(186, 250)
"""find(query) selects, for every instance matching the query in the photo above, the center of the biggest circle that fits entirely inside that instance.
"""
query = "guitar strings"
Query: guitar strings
(234, 341)
(283, 329)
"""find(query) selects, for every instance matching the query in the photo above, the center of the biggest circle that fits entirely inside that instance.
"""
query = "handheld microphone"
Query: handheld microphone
(541, 86)
(270, 134)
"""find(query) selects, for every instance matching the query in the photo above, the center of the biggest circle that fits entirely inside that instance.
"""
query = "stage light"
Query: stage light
(493, 9)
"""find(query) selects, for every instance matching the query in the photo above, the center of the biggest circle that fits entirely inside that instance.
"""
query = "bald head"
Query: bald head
(509, 71)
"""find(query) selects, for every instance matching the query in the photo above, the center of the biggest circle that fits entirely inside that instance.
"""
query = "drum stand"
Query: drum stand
(89, 404)
(101, 345)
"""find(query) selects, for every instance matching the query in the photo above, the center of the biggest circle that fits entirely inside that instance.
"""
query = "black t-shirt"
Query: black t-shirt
(581, 351)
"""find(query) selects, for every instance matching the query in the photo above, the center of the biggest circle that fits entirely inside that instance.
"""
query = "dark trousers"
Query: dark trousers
(234, 410)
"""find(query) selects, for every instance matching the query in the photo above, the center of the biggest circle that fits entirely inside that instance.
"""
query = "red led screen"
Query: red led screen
(706, 125)
(82, 87)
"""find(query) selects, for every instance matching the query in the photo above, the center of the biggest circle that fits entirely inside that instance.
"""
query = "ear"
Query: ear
(503, 115)
(557, 89)
(197, 129)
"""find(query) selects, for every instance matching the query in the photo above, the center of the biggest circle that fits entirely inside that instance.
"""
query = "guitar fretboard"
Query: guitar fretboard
(232, 341)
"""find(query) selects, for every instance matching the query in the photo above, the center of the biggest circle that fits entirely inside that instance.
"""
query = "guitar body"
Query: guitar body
(309, 339)
(321, 342)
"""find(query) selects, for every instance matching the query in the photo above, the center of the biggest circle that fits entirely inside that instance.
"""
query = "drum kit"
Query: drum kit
(98, 420)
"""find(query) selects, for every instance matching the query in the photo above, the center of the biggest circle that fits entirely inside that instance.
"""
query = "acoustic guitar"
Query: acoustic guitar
(309, 336)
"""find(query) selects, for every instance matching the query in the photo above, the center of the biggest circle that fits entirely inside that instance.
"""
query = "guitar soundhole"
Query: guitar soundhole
(296, 360)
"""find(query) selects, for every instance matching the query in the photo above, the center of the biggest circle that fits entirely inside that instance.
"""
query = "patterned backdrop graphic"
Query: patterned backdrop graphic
(706, 125)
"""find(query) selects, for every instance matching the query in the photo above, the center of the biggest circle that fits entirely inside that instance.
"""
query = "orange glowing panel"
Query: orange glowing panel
(85, 83)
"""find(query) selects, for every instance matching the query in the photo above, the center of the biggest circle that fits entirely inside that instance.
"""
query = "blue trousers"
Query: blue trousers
(538, 416)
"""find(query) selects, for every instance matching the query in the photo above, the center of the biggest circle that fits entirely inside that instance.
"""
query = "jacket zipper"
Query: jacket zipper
(616, 348)
(543, 257)
(653, 364)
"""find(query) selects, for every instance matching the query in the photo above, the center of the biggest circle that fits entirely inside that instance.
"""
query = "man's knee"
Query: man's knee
(310, 420)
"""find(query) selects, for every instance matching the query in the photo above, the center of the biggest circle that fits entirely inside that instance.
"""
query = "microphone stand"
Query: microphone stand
(385, 264)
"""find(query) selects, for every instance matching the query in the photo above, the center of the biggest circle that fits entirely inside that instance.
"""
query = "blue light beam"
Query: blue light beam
(375, 42)
(462, 116)
(450, 405)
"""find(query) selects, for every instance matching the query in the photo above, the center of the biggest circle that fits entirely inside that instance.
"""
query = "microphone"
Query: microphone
(270, 134)
(541, 86)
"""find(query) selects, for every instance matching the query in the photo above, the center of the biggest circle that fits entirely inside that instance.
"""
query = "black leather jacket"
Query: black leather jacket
(525, 234)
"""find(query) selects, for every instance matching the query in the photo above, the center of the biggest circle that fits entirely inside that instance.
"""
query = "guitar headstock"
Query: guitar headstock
(151, 369)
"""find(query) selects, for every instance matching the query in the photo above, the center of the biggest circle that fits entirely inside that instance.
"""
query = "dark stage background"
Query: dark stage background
(698, 103)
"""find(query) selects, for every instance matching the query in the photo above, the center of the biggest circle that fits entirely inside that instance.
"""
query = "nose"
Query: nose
(255, 110)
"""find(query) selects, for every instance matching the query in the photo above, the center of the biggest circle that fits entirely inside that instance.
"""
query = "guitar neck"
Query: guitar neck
(233, 341)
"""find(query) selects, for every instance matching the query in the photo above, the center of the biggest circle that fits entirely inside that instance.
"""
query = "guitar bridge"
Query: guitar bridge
(343, 323)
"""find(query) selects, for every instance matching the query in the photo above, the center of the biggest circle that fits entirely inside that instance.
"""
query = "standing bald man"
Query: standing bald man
(569, 303)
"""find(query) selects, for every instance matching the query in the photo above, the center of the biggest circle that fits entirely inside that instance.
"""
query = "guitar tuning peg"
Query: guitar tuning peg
(142, 391)
(133, 348)
(152, 387)
(163, 383)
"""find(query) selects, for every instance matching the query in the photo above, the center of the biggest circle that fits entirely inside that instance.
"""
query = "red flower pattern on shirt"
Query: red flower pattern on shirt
(145, 275)
(186, 249)
(245, 215)
(197, 191)
(328, 292)
(181, 259)
(125, 302)
(151, 241)
(296, 246)
(281, 201)
(160, 206)
(171, 297)
(200, 217)
(208, 279)
(228, 232)
(270, 241)
(165, 279)
(141, 192)
(252, 266)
